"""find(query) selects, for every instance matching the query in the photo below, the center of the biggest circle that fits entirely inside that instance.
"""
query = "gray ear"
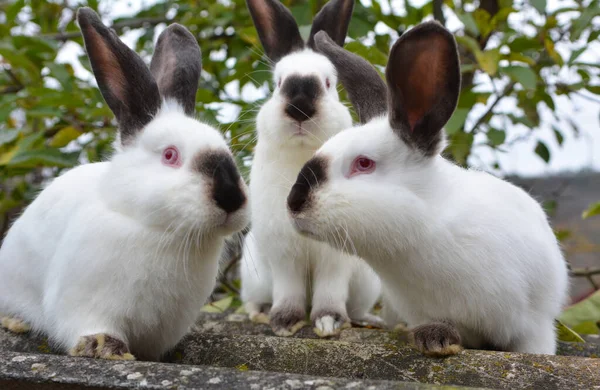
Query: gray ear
(124, 80)
(176, 66)
(366, 90)
(276, 27)
(334, 18)
(423, 77)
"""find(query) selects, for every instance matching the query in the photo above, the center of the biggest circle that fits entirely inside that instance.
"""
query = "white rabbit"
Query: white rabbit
(280, 266)
(464, 258)
(119, 256)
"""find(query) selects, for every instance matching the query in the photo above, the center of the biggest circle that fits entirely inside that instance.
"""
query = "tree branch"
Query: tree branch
(587, 273)
(131, 23)
(438, 12)
(508, 89)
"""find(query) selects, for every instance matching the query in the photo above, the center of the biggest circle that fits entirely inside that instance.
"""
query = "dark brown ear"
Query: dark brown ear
(276, 27)
(334, 18)
(124, 80)
(366, 90)
(423, 76)
(176, 66)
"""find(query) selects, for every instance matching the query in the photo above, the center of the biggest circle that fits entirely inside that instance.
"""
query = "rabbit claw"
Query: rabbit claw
(102, 346)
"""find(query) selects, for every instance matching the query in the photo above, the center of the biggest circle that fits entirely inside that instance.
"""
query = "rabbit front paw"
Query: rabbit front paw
(15, 325)
(102, 346)
(329, 323)
(286, 321)
(437, 339)
(258, 312)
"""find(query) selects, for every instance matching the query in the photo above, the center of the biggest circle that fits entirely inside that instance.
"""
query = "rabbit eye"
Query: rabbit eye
(279, 83)
(327, 83)
(362, 165)
(170, 157)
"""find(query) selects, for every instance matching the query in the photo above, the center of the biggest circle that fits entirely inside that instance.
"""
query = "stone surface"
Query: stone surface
(38, 371)
(231, 342)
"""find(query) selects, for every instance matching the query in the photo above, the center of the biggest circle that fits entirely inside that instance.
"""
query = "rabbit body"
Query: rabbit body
(133, 283)
(465, 258)
(120, 256)
(279, 266)
(456, 244)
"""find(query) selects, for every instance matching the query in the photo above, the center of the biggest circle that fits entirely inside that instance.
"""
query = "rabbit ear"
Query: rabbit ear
(176, 66)
(423, 76)
(334, 18)
(124, 80)
(277, 29)
(366, 90)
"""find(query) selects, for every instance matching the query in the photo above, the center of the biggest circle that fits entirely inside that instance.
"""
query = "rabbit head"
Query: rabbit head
(304, 109)
(357, 176)
(170, 170)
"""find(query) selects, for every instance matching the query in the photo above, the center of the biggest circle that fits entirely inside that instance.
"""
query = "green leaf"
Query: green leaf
(64, 136)
(579, 316)
(7, 136)
(558, 135)
(567, 334)
(595, 89)
(469, 21)
(496, 137)
(542, 150)
(457, 120)
(460, 146)
(575, 54)
(591, 211)
(44, 157)
(539, 5)
(218, 306)
(369, 53)
(488, 60)
(525, 76)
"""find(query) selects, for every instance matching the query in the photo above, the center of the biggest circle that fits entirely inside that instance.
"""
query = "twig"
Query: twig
(131, 23)
(501, 96)
(223, 278)
(438, 12)
(587, 273)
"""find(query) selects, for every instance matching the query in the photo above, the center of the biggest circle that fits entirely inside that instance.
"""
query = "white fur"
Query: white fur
(448, 243)
(127, 247)
(278, 264)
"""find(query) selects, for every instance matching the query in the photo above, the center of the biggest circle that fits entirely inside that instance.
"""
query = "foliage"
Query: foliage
(594, 209)
(584, 316)
(52, 117)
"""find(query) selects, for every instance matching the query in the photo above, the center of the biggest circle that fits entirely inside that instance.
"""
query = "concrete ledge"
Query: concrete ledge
(231, 345)
(20, 371)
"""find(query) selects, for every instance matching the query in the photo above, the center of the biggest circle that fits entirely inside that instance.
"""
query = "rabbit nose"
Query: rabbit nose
(226, 190)
(301, 93)
(300, 109)
(310, 177)
(226, 187)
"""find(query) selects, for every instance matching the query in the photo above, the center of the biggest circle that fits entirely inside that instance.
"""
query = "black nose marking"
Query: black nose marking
(226, 190)
(312, 174)
(301, 93)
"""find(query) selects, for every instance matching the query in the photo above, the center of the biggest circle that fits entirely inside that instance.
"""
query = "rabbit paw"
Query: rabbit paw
(287, 321)
(15, 325)
(437, 339)
(102, 346)
(329, 323)
(258, 312)
(369, 320)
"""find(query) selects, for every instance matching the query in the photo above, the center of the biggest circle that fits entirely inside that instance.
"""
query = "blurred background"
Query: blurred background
(529, 109)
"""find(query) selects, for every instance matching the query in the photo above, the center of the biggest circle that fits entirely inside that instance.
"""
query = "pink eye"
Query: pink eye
(170, 157)
(362, 165)
(327, 83)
